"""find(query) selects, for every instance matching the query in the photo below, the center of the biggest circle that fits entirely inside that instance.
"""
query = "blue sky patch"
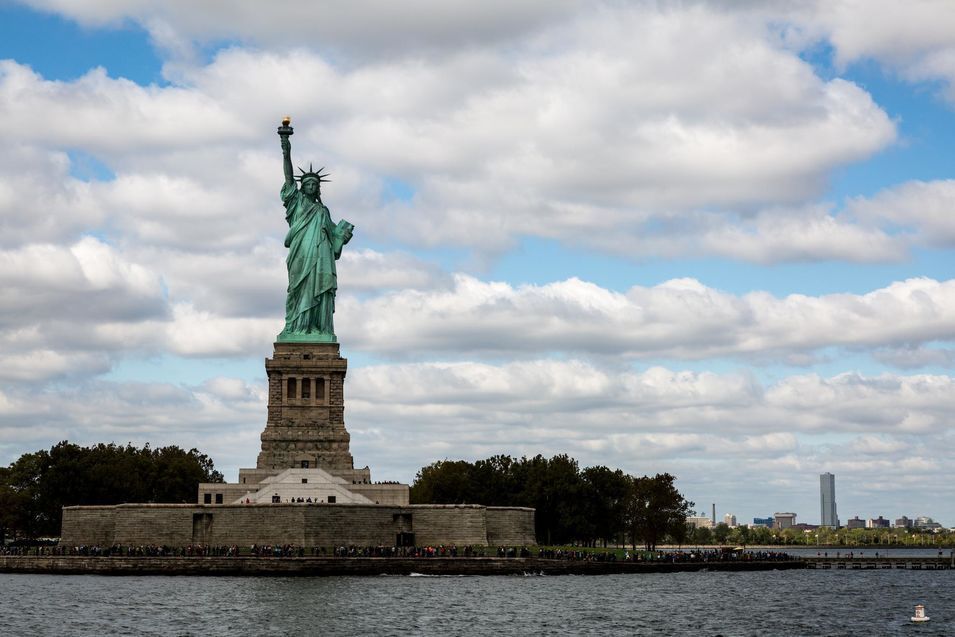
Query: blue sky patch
(60, 49)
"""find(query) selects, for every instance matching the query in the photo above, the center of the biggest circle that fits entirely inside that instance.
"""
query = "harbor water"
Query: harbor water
(803, 602)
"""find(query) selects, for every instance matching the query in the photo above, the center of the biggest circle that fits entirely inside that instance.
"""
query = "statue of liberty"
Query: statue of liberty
(314, 243)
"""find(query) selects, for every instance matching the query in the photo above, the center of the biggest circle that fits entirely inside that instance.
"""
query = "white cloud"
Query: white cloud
(810, 234)
(370, 270)
(89, 299)
(578, 400)
(678, 319)
(198, 333)
(360, 27)
(913, 357)
(103, 114)
(42, 365)
(247, 283)
(695, 424)
(162, 211)
(924, 209)
(622, 121)
(39, 202)
(251, 283)
(728, 437)
(898, 33)
(88, 281)
(222, 417)
(876, 445)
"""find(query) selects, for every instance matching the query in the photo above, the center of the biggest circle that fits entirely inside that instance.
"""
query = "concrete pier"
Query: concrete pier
(868, 563)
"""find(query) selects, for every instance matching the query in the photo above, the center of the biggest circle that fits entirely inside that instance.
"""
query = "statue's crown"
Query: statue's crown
(312, 174)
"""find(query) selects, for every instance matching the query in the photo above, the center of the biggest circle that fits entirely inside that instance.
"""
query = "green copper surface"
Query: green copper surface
(314, 243)
(313, 337)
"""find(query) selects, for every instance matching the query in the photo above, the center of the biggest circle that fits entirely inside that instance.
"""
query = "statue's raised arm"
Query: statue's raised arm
(314, 243)
(285, 130)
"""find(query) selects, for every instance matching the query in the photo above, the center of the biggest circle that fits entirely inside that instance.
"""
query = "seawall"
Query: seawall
(299, 524)
(325, 566)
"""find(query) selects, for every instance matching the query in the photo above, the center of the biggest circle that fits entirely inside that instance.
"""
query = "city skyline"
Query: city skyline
(710, 239)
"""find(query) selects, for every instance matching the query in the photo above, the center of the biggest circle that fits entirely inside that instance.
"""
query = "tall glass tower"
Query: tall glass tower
(827, 500)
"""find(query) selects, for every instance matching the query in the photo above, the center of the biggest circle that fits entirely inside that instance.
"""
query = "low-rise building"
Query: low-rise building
(877, 523)
(925, 523)
(783, 520)
(855, 523)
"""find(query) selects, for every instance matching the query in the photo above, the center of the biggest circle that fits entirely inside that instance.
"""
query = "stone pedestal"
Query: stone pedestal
(305, 427)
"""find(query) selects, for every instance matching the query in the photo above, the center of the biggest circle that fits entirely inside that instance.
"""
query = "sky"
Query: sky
(713, 239)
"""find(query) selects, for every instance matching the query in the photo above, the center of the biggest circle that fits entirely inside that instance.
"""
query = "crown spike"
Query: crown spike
(311, 173)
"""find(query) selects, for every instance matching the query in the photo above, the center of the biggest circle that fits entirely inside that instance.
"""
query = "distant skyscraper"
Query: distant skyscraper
(827, 500)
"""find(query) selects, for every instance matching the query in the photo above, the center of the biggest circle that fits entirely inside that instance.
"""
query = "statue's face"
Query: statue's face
(310, 187)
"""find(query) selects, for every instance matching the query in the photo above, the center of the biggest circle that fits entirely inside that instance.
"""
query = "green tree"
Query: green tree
(445, 482)
(699, 535)
(721, 532)
(761, 535)
(741, 535)
(35, 488)
(605, 492)
(556, 490)
(495, 481)
(571, 505)
(826, 535)
(792, 536)
(656, 509)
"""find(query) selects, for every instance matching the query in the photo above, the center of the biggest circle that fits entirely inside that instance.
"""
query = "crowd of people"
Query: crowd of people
(707, 555)
(408, 551)
(577, 555)
(117, 550)
(292, 550)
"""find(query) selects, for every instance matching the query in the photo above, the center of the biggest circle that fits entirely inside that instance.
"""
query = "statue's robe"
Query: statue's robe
(314, 243)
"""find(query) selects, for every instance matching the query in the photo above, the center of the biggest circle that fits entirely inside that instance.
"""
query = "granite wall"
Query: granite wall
(326, 525)
(510, 526)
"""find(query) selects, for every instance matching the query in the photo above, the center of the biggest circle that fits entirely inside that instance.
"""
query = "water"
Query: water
(875, 602)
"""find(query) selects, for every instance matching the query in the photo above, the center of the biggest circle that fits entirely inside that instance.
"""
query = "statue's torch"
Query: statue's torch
(285, 129)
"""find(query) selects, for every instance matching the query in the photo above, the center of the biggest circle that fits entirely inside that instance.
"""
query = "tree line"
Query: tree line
(584, 506)
(589, 506)
(822, 536)
(37, 485)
